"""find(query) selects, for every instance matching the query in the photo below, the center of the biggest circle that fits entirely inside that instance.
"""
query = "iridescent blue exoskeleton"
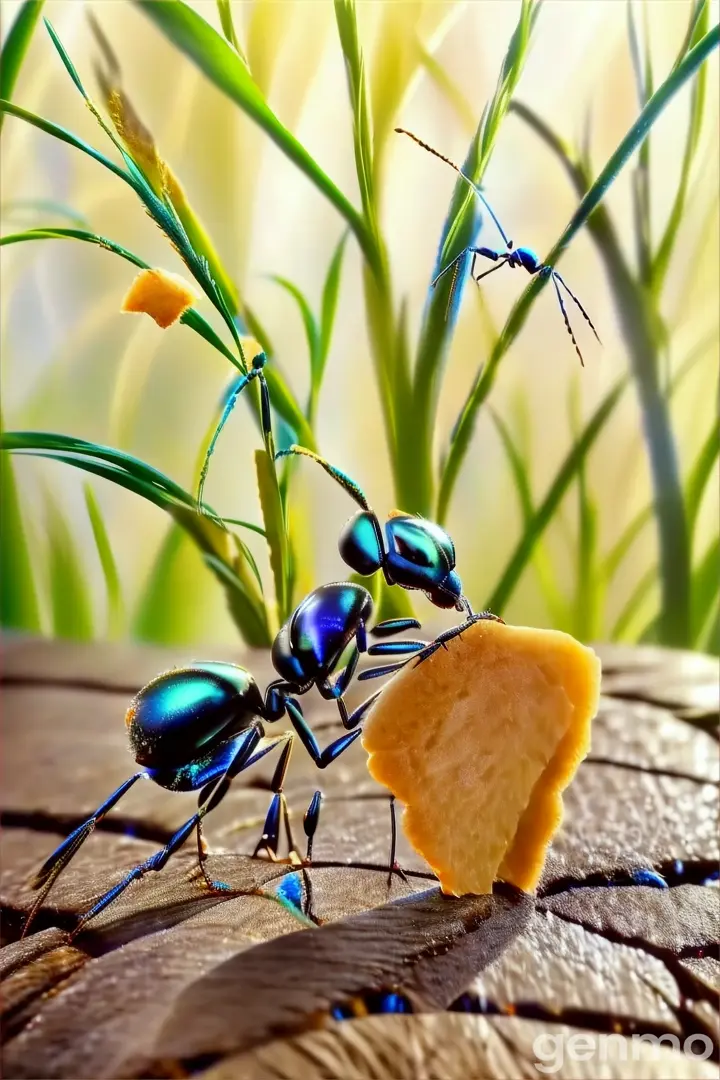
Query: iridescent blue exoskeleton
(414, 553)
(196, 728)
(521, 257)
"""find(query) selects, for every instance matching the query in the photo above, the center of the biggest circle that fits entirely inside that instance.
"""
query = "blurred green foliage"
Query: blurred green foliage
(409, 377)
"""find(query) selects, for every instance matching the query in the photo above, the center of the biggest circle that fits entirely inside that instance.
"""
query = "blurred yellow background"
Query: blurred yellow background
(72, 363)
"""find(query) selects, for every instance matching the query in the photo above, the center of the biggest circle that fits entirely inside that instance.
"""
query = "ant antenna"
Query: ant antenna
(458, 170)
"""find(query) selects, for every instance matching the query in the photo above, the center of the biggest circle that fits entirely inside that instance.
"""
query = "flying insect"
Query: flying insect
(522, 257)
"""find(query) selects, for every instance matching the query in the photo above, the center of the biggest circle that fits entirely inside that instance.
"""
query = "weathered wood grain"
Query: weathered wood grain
(173, 981)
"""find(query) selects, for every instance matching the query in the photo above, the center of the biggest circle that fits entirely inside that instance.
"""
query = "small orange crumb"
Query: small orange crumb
(161, 295)
(479, 742)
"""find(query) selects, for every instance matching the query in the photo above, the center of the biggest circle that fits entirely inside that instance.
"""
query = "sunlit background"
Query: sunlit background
(73, 364)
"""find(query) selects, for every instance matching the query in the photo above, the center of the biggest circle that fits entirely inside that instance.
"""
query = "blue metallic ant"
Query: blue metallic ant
(522, 257)
(196, 728)
(414, 553)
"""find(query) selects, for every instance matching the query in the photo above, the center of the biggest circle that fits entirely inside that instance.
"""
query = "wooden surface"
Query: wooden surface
(171, 981)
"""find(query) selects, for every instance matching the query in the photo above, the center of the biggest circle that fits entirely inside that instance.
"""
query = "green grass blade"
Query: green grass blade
(16, 45)
(448, 88)
(616, 556)
(220, 63)
(161, 208)
(328, 308)
(275, 530)
(137, 470)
(165, 613)
(70, 603)
(705, 590)
(440, 315)
(711, 644)
(18, 597)
(16, 210)
(589, 585)
(228, 27)
(517, 467)
(245, 613)
(346, 20)
(700, 20)
(53, 233)
(545, 512)
(116, 613)
(701, 472)
(391, 602)
(7, 107)
(244, 525)
(521, 478)
(312, 331)
(633, 605)
(191, 318)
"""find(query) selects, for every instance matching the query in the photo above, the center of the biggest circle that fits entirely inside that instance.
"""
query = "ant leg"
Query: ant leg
(492, 270)
(455, 631)
(574, 297)
(567, 320)
(155, 862)
(310, 822)
(394, 868)
(378, 672)
(278, 811)
(394, 626)
(56, 863)
(396, 648)
(322, 758)
(449, 266)
(242, 759)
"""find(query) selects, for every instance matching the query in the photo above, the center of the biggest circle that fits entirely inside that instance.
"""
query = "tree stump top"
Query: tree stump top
(171, 981)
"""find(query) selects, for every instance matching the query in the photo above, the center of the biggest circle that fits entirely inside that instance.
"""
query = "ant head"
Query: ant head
(421, 555)
(449, 594)
(360, 543)
(528, 259)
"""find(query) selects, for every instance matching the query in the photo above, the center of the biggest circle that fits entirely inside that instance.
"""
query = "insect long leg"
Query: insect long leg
(574, 297)
(322, 758)
(394, 626)
(156, 862)
(449, 267)
(378, 672)
(456, 631)
(501, 262)
(565, 317)
(278, 812)
(458, 170)
(54, 866)
(310, 822)
(394, 868)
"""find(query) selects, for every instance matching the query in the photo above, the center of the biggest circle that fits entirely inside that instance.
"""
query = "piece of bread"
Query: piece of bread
(161, 295)
(478, 742)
